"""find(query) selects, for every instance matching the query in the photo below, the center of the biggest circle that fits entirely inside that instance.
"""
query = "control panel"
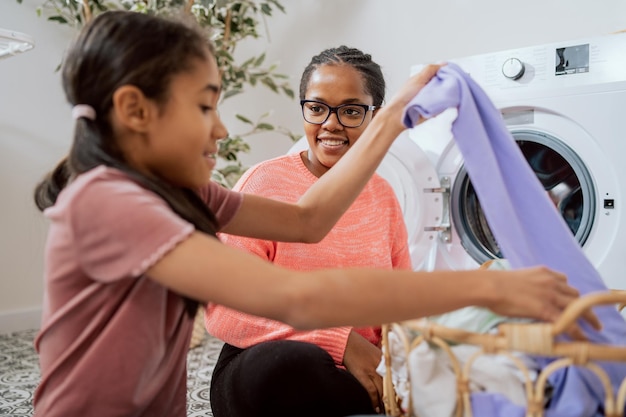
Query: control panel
(545, 68)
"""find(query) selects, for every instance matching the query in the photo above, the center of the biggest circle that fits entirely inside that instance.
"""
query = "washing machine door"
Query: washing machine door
(416, 185)
(563, 175)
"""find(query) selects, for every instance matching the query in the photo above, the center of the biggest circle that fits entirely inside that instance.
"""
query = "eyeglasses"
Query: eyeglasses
(349, 115)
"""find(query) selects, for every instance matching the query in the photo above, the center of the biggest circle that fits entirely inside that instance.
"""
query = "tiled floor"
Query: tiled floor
(19, 374)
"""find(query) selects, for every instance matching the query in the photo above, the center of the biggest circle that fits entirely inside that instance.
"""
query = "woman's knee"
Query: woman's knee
(278, 360)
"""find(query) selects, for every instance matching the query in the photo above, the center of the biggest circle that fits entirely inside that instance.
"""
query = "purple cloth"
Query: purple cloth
(528, 228)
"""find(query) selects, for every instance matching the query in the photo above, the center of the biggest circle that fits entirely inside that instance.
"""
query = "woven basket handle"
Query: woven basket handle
(578, 307)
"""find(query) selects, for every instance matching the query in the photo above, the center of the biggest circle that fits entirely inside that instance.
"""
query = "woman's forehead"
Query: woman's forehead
(330, 81)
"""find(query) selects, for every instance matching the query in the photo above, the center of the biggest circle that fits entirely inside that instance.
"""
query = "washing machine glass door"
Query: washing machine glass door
(562, 174)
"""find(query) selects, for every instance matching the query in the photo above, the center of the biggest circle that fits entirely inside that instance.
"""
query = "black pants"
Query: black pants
(284, 379)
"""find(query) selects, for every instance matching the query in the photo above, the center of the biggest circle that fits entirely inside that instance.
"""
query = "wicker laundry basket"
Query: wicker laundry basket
(530, 338)
(199, 331)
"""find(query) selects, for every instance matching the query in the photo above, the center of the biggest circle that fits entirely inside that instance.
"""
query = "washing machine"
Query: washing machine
(565, 105)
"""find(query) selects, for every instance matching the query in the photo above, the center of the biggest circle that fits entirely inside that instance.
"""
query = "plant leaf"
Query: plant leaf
(244, 119)
(260, 59)
(245, 20)
(265, 126)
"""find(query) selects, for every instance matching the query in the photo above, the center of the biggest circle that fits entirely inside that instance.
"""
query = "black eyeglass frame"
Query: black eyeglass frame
(331, 110)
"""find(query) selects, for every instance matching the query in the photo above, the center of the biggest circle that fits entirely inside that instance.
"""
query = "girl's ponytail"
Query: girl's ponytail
(48, 189)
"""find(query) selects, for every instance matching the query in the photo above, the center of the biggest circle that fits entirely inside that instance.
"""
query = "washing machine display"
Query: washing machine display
(572, 59)
(564, 104)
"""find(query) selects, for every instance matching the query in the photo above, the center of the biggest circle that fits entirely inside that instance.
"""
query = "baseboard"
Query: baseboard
(19, 320)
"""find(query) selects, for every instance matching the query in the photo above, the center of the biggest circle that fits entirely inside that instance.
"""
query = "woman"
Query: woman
(267, 366)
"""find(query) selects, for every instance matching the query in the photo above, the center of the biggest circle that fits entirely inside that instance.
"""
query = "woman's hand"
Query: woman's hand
(361, 359)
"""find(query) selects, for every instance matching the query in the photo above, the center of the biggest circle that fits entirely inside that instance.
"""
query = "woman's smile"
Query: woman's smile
(332, 144)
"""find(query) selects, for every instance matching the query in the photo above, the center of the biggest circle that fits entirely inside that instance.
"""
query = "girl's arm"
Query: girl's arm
(325, 202)
(204, 269)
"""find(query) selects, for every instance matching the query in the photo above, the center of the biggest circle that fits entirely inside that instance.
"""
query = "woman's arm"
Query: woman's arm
(325, 202)
(203, 268)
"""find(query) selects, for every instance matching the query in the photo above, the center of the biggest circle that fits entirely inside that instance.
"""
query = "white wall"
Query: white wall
(34, 133)
(35, 126)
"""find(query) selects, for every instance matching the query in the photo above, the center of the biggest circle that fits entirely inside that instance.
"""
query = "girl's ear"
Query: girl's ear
(132, 109)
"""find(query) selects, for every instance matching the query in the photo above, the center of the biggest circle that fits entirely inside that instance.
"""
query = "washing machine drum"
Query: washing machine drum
(562, 174)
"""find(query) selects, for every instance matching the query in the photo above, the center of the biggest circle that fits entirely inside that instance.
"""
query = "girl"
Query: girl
(133, 216)
(267, 367)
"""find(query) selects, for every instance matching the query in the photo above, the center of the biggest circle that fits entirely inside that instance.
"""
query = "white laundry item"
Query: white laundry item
(399, 369)
(432, 382)
(433, 386)
(427, 376)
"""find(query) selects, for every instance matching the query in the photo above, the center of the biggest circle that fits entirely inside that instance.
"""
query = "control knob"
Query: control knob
(513, 68)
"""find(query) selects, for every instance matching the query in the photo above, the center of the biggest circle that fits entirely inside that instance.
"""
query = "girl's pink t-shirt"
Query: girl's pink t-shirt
(114, 342)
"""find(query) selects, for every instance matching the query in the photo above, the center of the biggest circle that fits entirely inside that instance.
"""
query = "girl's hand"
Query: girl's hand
(411, 87)
(539, 293)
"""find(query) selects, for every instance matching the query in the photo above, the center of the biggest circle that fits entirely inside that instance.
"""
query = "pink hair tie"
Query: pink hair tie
(83, 110)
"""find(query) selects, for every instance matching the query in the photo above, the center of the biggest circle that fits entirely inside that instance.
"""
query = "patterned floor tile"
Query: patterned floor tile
(19, 374)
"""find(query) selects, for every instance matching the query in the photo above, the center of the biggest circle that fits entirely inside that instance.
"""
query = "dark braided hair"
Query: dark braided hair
(120, 48)
(371, 72)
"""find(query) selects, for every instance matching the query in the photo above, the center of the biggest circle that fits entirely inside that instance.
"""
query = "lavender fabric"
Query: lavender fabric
(528, 228)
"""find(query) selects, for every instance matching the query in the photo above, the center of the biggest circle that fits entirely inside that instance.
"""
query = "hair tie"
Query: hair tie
(83, 110)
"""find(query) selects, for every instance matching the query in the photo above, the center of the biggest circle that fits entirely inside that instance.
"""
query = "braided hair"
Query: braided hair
(343, 55)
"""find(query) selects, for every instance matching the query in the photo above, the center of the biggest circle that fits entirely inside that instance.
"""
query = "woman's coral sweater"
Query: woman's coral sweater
(371, 234)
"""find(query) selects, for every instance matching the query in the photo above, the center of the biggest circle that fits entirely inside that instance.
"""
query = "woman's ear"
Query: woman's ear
(377, 108)
(131, 108)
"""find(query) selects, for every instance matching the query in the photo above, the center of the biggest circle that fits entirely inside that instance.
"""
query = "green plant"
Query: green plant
(229, 22)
